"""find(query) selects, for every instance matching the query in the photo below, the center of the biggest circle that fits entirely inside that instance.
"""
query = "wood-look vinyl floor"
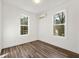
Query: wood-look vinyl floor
(34, 49)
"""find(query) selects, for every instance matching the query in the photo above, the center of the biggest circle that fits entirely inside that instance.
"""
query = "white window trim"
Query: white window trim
(65, 24)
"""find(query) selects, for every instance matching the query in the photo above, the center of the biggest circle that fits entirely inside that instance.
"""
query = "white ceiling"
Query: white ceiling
(30, 6)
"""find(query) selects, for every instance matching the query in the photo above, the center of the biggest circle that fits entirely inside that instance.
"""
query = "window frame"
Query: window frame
(27, 25)
(65, 24)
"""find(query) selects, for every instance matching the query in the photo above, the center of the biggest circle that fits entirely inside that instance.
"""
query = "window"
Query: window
(24, 25)
(59, 24)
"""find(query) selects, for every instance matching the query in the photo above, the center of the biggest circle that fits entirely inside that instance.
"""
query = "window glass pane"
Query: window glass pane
(24, 21)
(24, 30)
(59, 30)
(59, 18)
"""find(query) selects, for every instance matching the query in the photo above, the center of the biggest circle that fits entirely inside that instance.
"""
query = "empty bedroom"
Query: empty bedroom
(39, 29)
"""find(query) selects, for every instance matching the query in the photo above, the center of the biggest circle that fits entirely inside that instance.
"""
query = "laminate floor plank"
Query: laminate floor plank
(36, 49)
(48, 51)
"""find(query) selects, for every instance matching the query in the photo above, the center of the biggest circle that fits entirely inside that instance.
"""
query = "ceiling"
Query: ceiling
(30, 6)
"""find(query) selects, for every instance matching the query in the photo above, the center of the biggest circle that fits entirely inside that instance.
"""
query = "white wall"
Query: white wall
(11, 26)
(70, 42)
(0, 23)
(77, 24)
